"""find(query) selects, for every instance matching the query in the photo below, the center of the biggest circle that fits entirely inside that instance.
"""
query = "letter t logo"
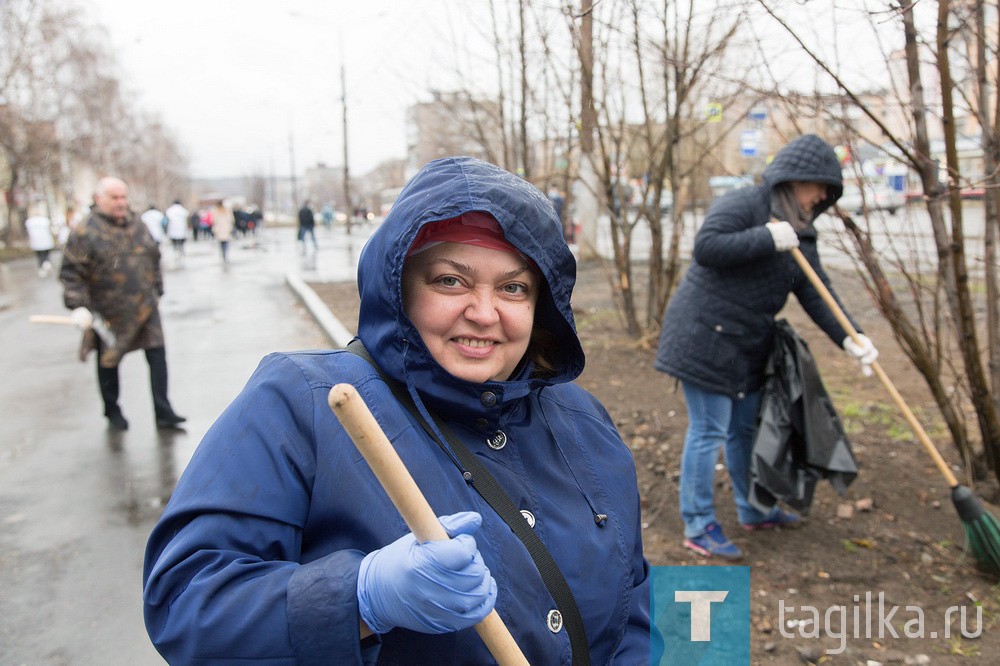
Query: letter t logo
(701, 610)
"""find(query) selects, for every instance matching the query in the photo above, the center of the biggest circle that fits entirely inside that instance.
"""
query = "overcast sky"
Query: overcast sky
(234, 77)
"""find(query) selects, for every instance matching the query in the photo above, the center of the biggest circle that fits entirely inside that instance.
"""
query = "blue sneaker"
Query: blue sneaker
(777, 519)
(714, 542)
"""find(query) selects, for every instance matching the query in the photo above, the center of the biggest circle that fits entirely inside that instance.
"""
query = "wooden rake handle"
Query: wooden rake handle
(366, 434)
(879, 372)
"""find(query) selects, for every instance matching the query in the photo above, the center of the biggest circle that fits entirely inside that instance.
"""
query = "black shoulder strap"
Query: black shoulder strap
(489, 488)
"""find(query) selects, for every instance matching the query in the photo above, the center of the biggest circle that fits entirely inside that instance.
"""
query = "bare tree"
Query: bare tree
(987, 98)
(61, 105)
(659, 63)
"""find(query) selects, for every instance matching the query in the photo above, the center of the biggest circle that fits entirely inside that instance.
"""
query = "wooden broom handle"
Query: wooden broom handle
(366, 434)
(879, 372)
(50, 319)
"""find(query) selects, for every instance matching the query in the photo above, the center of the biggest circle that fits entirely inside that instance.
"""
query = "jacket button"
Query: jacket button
(554, 621)
(718, 327)
(497, 441)
(488, 399)
(482, 423)
(741, 395)
(529, 517)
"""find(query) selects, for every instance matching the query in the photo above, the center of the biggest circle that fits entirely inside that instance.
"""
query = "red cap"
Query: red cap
(472, 228)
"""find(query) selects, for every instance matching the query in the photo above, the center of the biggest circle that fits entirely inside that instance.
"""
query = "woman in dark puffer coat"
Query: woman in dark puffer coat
(717, 332)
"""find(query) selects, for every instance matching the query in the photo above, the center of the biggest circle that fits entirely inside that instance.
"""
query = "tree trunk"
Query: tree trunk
(958, 291)
(522, 52)
(915, 347)
(910, 338)
(990, 125)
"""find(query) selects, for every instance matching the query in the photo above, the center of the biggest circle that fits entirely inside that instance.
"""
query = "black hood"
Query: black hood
(809, 159)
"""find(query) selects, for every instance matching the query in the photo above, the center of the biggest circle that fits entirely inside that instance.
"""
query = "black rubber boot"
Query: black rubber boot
(165, 416)
(107, 381)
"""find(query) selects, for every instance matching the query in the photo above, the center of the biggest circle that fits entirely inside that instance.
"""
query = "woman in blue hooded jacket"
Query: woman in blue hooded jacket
(278, 544)
(718, 329)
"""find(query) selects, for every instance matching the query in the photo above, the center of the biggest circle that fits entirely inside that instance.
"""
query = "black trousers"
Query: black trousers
(107, 380)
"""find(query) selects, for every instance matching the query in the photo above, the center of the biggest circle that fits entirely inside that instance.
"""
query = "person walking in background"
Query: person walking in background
(194, 223)
(256, 220)
(41, 240)
(64, 224)
(327, 216)
(240, 219)
(278, 545)
(177, 227)
(557, 201)
(111, 266)
(307, 226)
(205, 223)
(719, 327)
(222, 227)
(153, 219)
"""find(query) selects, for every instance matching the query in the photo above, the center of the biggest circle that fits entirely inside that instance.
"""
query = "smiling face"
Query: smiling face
(474, 308)
(808, 194)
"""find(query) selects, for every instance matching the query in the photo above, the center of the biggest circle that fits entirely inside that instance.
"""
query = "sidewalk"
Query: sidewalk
(77, 502)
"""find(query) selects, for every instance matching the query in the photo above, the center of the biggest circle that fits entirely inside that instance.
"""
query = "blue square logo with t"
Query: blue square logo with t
(704, 615)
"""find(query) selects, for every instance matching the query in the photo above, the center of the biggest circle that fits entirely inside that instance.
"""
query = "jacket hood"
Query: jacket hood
(811, 159)
(441, 190)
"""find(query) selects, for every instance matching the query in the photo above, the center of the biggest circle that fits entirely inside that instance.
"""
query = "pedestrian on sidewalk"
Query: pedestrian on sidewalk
(719, 327)
(154, 219)
(62, 225)
(307, 226)
(177, 228)
(278, 543)
(194, 223)
(41, 240)
(111, 266)
(327, 213)
(222, 227)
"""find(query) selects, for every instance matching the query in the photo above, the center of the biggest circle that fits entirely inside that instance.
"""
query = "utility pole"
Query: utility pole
(273, 208)
(347, 171)
(586, 197)
(525, 158)
(291, 159)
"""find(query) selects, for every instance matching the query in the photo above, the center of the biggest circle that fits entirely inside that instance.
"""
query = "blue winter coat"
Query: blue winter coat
(719, 327)
(256, 556)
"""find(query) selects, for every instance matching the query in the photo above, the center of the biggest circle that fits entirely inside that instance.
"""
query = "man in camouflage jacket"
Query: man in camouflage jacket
(111, 266)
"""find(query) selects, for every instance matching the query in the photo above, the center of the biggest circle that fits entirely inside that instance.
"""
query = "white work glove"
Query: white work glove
(865, 353)
(784, 236)
(82, 318)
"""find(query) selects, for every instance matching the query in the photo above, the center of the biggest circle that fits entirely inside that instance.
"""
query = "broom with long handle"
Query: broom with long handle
(366, 434)
(981, 528)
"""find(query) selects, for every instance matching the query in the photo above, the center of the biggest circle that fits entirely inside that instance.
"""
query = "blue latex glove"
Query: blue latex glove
(434, 587)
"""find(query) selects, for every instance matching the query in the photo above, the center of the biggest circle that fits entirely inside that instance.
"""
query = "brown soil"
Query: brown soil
(909, 545)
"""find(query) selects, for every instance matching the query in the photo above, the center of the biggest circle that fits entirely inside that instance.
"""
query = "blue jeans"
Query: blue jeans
(714, 419)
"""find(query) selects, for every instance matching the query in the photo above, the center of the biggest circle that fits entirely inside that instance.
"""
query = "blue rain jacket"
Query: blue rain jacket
(256, 556)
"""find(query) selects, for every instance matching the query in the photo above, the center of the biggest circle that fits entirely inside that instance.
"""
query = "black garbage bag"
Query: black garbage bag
(800, 439)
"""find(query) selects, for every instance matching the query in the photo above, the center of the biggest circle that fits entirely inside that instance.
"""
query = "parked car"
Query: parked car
(876, 197)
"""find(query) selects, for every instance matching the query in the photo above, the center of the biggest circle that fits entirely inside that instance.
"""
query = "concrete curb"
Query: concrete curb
(334, 330)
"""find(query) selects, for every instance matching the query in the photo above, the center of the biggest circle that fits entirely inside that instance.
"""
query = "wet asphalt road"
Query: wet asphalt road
(77, 502)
